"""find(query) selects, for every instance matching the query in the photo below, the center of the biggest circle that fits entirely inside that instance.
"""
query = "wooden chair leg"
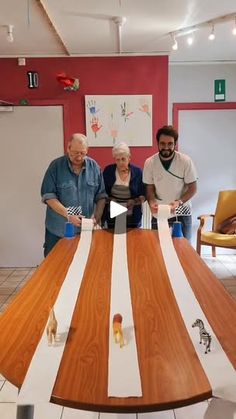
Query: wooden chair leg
(198, 245)
(213, 251)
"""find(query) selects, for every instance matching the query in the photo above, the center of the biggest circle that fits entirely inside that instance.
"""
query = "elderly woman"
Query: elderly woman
(123, 183)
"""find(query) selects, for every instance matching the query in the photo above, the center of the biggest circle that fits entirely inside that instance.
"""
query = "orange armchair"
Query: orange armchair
(225, 208)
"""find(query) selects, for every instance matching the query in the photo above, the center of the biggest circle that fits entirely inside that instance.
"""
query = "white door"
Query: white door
(208, 136)
(30, 137)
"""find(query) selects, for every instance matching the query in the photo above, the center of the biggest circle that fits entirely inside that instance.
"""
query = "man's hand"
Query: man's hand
(153, 207)
(75, 219)
(95, 223)
(173, 206)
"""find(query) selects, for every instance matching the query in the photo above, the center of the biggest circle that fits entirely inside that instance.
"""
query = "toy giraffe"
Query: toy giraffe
(51, 327)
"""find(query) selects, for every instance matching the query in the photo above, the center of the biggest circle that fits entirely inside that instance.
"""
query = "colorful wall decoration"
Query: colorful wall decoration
(111, 119)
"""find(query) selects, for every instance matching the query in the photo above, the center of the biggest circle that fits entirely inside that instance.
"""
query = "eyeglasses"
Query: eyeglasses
(77, 153)
(170, 144)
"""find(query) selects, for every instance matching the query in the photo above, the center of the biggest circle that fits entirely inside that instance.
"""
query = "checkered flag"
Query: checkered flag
(74, 210)
(184, 209)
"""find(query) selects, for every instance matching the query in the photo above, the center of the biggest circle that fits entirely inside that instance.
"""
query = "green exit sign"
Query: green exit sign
(219, 92)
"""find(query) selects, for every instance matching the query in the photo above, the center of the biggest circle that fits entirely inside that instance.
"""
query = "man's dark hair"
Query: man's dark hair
(167, 130)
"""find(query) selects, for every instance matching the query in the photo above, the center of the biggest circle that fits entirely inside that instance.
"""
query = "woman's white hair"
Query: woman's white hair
(80, 138)
(121, 148)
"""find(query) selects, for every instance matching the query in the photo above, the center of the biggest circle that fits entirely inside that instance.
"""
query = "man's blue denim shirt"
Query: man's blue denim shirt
(83, 190)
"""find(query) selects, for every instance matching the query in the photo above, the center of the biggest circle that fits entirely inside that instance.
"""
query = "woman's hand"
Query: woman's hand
(136, 201)
(130, 204)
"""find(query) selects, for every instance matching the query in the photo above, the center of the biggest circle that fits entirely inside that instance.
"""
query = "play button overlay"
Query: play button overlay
(116, 209)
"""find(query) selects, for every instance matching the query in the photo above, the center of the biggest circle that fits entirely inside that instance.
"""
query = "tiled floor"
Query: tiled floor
(13, 279)
(224, 268)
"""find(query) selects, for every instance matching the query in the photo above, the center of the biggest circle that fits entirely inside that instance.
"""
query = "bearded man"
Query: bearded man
(170, 179)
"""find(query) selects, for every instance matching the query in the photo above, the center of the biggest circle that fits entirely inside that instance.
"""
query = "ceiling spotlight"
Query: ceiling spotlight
(190, 40)
(10, 37)
(174, 44)
(212, 34)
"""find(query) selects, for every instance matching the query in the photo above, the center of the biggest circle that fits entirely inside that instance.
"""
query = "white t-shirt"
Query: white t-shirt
(169, 184)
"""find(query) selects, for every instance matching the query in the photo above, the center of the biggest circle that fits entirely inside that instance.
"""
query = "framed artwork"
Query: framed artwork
(111, 119)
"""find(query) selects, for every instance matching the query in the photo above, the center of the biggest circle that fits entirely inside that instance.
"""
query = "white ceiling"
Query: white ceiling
(88, 28)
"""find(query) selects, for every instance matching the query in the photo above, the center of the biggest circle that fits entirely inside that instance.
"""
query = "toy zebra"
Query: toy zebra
(205, 337)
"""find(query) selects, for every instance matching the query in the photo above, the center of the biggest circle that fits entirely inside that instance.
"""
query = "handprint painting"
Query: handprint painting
(111, 119)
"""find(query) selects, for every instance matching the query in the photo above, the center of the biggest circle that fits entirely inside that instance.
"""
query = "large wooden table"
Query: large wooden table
(171, 374)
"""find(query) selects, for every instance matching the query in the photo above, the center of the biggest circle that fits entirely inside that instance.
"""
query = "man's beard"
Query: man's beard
(167, 153)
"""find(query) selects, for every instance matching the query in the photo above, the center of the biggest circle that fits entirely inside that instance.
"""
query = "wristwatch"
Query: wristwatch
(180, 202)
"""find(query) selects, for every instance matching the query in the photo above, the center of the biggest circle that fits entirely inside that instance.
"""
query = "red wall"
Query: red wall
(98, 76)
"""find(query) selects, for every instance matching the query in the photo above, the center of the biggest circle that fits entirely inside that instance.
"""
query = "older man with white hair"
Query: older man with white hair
(72, 187)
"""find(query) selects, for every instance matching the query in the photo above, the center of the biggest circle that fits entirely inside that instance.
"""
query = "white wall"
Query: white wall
(195, 83)
(209, 137)
(31, 136)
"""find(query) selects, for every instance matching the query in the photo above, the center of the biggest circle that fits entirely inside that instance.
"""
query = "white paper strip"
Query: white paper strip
(123, 369)
(216, 364)
(41, 375)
